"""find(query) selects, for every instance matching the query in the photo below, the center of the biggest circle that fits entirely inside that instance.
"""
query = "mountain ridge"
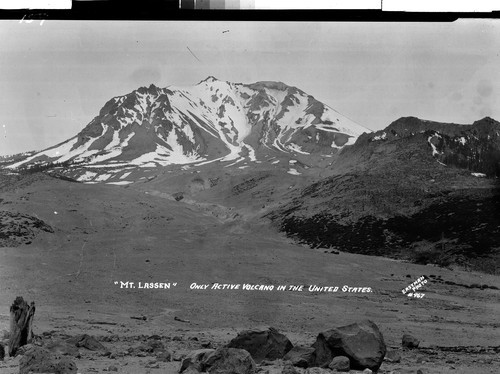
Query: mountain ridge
(211, 121)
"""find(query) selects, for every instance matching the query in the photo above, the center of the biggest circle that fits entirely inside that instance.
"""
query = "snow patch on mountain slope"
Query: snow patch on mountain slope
(125, 175)
(120, 183)
(217, 109)
(87, 176)
(296, 148)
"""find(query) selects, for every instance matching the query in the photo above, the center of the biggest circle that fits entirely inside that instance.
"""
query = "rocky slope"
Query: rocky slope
(418, 189)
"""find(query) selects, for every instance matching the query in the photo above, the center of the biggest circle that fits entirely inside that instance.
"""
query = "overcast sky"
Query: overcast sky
(55, 77)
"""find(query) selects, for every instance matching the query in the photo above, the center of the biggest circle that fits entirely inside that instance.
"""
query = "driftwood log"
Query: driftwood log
(21, 324)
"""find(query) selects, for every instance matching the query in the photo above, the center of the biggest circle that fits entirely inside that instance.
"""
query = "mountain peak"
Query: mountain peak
(215, 121)
(209, 79)
(279, 86)
(151, 89)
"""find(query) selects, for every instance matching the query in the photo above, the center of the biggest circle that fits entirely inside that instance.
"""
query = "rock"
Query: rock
(112, 368)
(340, 363)
(62, 348)
(300, 356)
(179, 356)
(206, 344)
(392, 356)
(317, 370)
(86, 341)
(155, 346)
(288, 368)
(229, 360)
(262, 345)
(361, 342)
(410, 341)
(194, 359)
(191, 370)
(367, 371)
(25, 348)
(164, 356)
(419, 371)
(266, 363)
(40, 360)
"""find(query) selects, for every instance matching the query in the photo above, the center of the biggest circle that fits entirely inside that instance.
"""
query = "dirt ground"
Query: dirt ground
(107, 234)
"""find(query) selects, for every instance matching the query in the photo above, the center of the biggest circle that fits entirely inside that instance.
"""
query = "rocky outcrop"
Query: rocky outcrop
(17, 229)
(40, 360)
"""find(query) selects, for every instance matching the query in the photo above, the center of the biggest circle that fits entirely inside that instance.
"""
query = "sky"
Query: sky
(55, 76)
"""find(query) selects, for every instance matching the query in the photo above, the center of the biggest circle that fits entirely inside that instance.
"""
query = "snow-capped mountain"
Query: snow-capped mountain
(211, 121)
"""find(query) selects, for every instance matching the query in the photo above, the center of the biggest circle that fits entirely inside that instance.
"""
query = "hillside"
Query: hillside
(418, 190)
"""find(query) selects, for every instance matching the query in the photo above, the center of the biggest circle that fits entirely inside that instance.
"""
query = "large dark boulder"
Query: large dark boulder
(40, 360)
(262, 345)
(229, 360)
(361, 342)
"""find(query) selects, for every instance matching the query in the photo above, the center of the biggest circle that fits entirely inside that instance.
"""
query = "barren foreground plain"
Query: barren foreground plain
(105, 234)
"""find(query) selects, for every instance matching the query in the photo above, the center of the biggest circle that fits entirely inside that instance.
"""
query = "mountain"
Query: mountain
(211, 121)
(419, 190)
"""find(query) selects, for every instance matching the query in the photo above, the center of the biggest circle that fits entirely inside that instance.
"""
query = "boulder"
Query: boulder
(361, 342)
(86, 341)
(164, 356)
(40, 360)
(340, 363)
(300, 356)
(229, 360)
(409, 341)
(367, 371)
(194, 359)
(262, 345)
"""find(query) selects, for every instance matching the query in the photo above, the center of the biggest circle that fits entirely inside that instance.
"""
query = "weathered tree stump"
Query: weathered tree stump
(21, 324)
